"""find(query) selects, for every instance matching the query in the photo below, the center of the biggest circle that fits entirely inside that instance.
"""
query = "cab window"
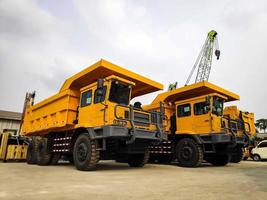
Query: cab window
(99, 95)
(217, 107)
(200, 108)
(119, 93)
(86, 98)
(184, 110)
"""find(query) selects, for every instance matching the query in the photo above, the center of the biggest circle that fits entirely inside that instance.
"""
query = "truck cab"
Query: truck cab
(200, 115)
(108, 101)
(101, 98)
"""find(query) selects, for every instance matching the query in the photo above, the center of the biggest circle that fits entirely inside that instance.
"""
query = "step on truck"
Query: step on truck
(91, 119)
(195, 126)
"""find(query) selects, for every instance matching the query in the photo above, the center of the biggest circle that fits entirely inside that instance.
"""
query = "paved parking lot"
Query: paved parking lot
(246, 180)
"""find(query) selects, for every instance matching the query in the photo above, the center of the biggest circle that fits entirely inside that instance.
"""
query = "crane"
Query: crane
(204, 58)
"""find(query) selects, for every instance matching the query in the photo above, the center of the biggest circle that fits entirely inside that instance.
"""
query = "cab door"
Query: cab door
(216, 114)
(86, 108)
(201, 118)
(184, 118)
(100, 107)
(92, 110)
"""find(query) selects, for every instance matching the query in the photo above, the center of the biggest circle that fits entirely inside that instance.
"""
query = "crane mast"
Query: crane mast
(204, 59)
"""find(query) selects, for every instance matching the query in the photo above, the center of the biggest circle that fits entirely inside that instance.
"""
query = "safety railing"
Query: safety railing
(138, 117)
(239, 126)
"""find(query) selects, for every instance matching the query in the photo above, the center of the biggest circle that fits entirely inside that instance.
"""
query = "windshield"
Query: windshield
(119, 93)
(217, 107)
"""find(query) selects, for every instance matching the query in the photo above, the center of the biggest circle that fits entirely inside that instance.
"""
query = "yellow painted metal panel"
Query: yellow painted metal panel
(16, 152)
(104, 69)
(3, 145)
(55, 112)
(11, 151)
(194, 90)
(234, 113)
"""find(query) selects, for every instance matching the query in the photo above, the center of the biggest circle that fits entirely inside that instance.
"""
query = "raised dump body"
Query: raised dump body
(12, 147)
(195, 125)
(91, 119)
(245, 120)
(53, 114)
(242, 123)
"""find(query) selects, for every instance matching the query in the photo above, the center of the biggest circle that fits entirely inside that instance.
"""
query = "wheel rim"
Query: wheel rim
(187, 152)
(82, 152)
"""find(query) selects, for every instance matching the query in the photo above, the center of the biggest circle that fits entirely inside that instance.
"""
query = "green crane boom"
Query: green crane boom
(204, 58)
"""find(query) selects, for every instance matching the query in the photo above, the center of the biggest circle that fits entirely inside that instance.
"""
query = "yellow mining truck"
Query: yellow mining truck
(12, 148)
(195, 125)
(241, 123)
(90, 118)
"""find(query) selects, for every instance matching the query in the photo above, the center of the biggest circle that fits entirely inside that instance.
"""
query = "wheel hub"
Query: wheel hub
(187, 153)
(82, 152)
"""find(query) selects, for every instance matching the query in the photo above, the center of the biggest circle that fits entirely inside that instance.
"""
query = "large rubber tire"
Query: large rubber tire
(32, 152)
(238, 155)
(189, 153)
(85, 153)
(43, 154)
(219, 160)
(139, 160)
(55, 158)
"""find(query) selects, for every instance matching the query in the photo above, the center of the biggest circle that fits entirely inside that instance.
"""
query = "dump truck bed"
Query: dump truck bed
(58, 112)
(190, 91)
(104, 69)
(248, 118)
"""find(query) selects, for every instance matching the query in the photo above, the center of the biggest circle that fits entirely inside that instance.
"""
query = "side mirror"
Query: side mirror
(100, 83)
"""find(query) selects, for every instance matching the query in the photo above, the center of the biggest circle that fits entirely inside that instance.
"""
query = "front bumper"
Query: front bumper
(123, 132)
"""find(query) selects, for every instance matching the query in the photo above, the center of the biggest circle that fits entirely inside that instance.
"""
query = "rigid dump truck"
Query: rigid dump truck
(12, 148)
(90, 118)
(195, 125)
(242, 123)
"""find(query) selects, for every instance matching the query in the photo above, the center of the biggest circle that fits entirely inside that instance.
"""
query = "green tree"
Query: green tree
(261, 124)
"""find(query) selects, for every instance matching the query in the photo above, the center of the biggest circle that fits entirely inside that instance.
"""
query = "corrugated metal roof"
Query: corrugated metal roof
(10, 115)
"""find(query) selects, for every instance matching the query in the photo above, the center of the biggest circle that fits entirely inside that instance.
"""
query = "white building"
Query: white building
(9, 122)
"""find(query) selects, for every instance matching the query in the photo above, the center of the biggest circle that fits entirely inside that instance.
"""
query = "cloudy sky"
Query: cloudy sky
(43, 42)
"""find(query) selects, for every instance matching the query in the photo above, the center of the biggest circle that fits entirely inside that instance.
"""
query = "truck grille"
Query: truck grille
(140, 119)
